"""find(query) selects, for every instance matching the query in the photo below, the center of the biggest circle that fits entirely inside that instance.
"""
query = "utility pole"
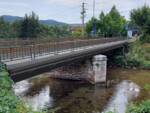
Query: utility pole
(94, 22)
(93, 8)
(83, 12)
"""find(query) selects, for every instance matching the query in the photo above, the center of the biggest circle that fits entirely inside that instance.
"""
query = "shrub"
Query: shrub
(145, 38)
(9, 103)
(120, 61)
(146, 64)
(133, 62)
(147, 87)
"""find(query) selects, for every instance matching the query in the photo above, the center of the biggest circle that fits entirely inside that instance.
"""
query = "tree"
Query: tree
(111, 24)
(116, 22)
(53, 31)
(4, 29)
(89, 25)
(15, 29)
(30, 26)
(141, 18)
(101, 25)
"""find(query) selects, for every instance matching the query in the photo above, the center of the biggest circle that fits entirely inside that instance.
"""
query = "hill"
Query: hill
(48, 22)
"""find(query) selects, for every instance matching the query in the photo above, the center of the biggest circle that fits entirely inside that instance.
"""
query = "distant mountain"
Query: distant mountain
(52, 22)
(11, 18)
(49, 22)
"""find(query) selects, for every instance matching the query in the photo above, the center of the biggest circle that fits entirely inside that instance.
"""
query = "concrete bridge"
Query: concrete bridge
(30, 60)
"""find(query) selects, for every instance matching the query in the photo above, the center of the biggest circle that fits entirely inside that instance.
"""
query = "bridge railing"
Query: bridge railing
(32, 51)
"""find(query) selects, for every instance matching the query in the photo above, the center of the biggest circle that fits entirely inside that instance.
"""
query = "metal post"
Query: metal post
(11, 54)
(0, 59)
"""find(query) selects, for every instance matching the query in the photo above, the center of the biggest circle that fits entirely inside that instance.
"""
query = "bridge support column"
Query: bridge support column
(99, 68)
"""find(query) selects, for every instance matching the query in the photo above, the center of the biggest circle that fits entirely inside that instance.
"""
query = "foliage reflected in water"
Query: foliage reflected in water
(74, 97)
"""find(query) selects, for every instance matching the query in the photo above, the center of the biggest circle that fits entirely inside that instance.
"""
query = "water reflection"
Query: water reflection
(21, 87)
(38, 98)
(39, 101)
(70, 96)
(125, 91)
(80, 97)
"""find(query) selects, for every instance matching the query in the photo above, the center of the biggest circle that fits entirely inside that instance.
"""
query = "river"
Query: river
(123, 86)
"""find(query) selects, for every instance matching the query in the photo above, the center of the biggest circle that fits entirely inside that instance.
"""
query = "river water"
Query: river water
(123, 86)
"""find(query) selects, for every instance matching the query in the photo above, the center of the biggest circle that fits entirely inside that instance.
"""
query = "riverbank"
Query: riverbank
(137, 57)
(9, 102)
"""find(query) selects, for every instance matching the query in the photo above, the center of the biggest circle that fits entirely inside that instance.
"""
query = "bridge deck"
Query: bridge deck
(18, 50)
(23, 70)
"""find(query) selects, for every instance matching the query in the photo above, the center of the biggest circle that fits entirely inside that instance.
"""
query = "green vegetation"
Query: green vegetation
(147, 87)
(109, 25)
(137, 57)
(30, 27)
(141, 18)
(143, 107)
(9, 103)
(139, 51)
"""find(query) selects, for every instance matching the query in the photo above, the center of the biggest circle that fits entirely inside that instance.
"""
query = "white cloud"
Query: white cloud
(20, 4)
(66, 10)
(65, 2)
(2, 10)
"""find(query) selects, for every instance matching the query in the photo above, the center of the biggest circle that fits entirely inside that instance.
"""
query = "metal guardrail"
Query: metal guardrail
(26, 51)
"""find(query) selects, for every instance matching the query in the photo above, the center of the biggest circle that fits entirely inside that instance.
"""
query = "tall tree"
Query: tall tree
(4, 29)
(15, 29)
(141, 18)
(90, 24)
(111, 24)
(30, 26)
(116, 22)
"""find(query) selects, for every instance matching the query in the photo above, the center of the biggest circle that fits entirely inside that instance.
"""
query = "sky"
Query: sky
(67, 11)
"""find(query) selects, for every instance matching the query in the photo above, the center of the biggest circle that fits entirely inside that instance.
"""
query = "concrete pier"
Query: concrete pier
(99, 68)
(93, 71)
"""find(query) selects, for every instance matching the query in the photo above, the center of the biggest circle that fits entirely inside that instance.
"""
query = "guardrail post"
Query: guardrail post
(10, 52)
(0, 59)
(30, 52)
(33, 52)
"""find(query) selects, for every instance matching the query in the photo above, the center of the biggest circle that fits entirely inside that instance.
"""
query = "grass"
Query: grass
(143, 107)
(147, 87)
